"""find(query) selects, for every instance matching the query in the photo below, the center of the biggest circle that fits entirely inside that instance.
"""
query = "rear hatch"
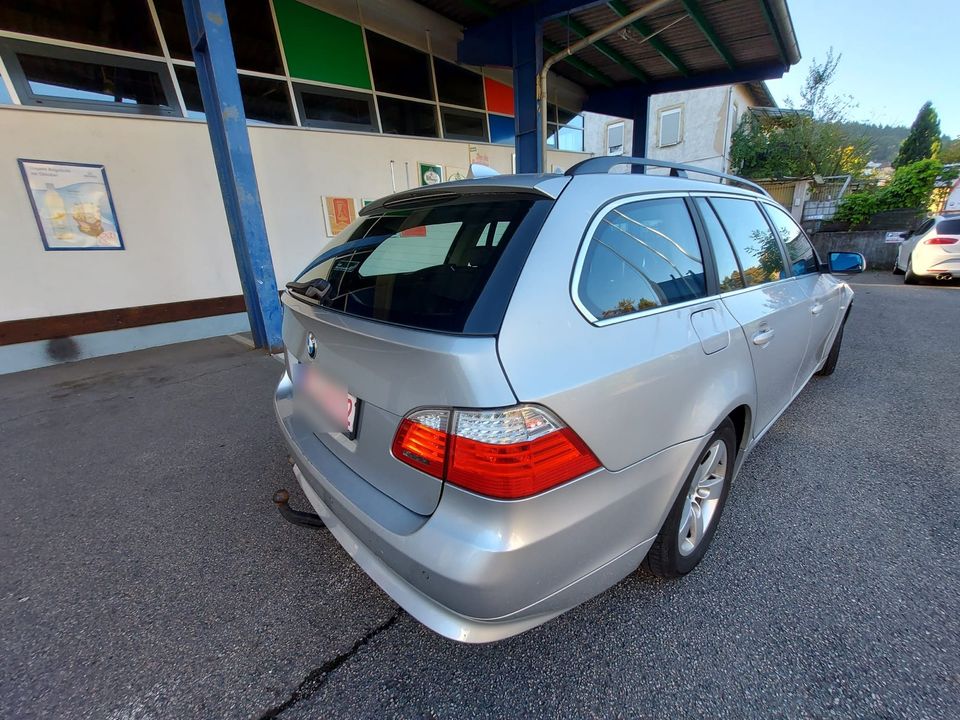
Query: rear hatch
(400, 312)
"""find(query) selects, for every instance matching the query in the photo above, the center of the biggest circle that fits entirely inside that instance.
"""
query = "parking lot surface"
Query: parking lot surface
(145, 573)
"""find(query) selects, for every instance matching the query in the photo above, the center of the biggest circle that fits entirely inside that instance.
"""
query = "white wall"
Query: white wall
(169, 208)
(710, 115)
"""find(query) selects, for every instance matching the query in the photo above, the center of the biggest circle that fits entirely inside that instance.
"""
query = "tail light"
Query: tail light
(940, 241)
(508, 453)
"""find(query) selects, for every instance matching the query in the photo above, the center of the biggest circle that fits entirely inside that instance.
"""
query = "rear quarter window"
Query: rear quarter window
(641, 255)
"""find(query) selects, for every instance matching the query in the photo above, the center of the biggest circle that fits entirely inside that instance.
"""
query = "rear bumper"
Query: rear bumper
(479, 570)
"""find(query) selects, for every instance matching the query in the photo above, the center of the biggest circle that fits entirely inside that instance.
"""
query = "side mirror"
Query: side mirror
(847, 262)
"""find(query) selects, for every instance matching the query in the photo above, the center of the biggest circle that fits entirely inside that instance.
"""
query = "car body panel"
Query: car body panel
(451, 570)
(391, 370)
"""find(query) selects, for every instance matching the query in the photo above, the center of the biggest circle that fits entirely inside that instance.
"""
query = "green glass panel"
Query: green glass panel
(320, 46)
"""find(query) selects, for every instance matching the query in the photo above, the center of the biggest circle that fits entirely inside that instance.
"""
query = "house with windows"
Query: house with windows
(690, 126)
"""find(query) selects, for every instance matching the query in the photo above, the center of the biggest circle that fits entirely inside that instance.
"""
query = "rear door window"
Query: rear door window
(752, 239)
(728, 271)
(447, 264)
(643, 254)
(803, 259)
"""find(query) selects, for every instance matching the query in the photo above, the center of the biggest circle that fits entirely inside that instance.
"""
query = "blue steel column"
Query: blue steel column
(527, 61)
(641, 113)
(223, 105)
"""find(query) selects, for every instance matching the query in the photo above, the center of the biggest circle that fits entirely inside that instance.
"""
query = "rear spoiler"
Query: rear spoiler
(549, 186)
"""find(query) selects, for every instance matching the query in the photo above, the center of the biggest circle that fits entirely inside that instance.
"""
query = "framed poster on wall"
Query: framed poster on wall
(72, 205)
(340, 212)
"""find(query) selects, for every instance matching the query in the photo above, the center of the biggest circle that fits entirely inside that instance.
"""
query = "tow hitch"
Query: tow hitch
(297, 517)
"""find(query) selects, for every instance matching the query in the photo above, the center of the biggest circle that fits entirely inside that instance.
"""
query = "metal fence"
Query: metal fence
(824, 197)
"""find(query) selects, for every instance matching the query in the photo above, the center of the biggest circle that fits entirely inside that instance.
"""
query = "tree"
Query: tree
(809, 141)
(923, 142)
(950, 152)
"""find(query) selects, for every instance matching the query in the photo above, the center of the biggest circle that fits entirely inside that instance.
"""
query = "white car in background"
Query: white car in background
(930, 251)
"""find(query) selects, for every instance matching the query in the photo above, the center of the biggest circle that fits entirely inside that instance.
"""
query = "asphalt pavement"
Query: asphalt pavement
(144, 572)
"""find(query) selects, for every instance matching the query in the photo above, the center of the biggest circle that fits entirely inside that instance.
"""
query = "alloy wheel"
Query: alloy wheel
(703, 498)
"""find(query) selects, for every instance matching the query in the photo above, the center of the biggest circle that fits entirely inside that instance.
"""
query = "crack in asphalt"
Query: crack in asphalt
(318, 676)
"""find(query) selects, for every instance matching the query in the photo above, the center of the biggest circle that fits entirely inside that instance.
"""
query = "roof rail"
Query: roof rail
(600, 165)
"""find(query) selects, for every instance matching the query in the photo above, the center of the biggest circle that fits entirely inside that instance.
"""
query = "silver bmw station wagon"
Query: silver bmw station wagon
(502, 395)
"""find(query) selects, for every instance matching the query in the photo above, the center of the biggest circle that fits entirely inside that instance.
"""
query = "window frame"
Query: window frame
(660, 115)
(9, 47)
(304, 87)
(460, 111)
(623, 137)
(706, 254)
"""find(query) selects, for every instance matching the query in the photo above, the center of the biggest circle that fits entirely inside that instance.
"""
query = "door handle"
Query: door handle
(763, 337)
(816, 308)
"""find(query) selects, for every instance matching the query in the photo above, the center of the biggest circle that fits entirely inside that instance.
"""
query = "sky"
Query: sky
(896, 55)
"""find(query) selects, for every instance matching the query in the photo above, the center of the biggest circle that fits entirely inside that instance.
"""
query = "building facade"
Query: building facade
(345, 102)
(692, 126)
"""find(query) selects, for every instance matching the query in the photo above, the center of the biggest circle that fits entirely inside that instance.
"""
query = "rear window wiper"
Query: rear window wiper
(316, 291)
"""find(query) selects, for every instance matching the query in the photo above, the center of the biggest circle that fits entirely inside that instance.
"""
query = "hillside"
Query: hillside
(885, 139)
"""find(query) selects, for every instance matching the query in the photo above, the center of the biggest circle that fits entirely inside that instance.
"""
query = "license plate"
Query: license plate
(337, 408)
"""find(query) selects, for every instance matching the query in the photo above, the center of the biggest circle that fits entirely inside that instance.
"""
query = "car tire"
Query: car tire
(675, 553)
(909, 278)
(896, 267)
(830, 364)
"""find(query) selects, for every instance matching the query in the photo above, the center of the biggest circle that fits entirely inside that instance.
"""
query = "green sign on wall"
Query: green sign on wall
(319, 46)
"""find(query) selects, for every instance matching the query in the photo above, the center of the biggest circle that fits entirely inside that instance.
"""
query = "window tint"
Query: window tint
(728, 271)
(457, 85)
(264, 100)
(399, 69)
(642, 255)
(74, 78)
(756, 247)
(949, 227)
(406, 117)
(803, 260)
(341, 109)
(120, 24)
(926, 225)
(463, 125)
(251, 30)
(436, 267)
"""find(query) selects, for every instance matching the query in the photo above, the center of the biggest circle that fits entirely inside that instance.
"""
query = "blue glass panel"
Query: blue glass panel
(502, 130)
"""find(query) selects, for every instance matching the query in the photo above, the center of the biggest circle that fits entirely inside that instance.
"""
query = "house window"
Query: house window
(53, 76)
(337, 109)
(118, 24)
(399, 69)
(264, 100)
(564, 129)
(615, 138)
(406, 117)
(671, 127)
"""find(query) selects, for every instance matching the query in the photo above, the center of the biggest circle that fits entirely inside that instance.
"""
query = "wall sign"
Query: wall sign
(72, 205)
(341, 212)
(430, 174)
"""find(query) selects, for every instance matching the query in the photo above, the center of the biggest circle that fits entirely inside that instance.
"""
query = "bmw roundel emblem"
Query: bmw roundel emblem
(311, 345)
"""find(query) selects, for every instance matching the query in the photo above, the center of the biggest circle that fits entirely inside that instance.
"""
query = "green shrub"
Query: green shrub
(910, 188)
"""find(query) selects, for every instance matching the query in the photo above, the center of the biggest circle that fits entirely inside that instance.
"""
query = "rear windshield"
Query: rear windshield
(450, 266)
(949, 227)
